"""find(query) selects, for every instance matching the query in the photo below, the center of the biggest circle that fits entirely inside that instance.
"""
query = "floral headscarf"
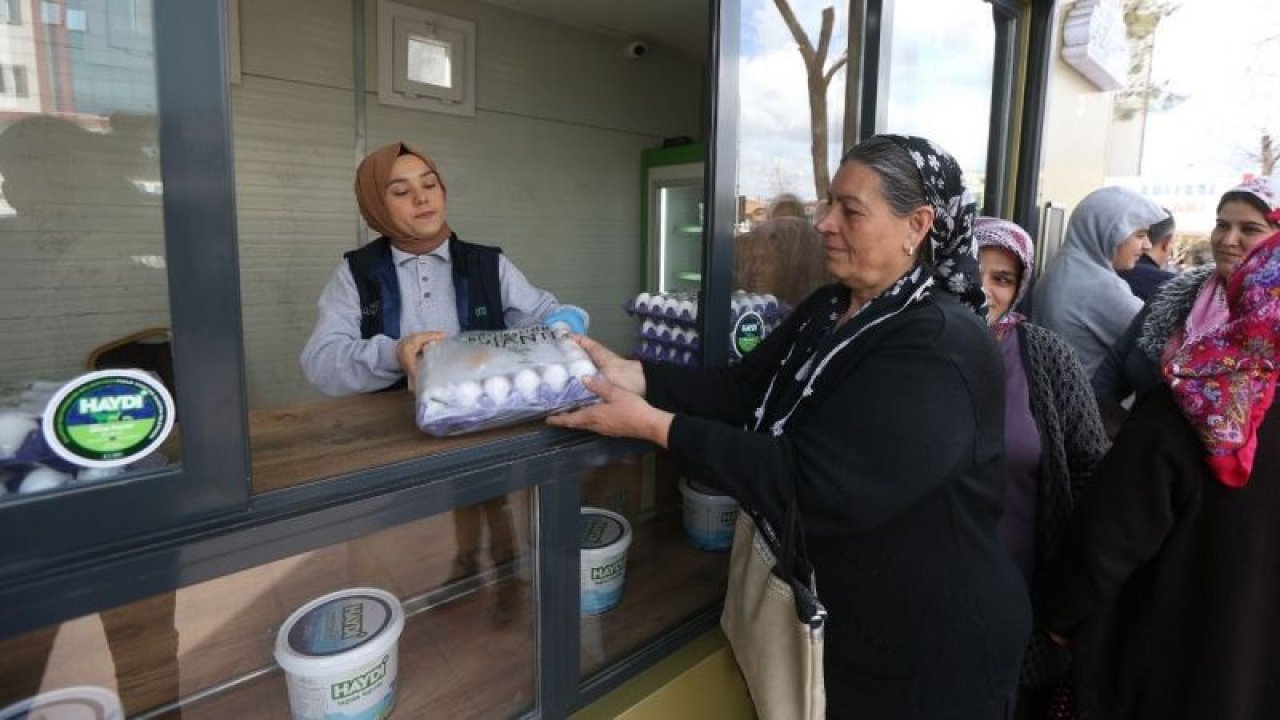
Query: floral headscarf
(1225, 380)
(995, 232)
(1262, 189)
(955, 257)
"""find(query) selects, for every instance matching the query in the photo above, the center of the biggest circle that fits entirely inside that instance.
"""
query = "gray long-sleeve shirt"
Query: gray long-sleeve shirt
(339, 362)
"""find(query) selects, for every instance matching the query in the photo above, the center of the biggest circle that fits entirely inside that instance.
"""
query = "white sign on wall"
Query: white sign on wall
(1095, 43)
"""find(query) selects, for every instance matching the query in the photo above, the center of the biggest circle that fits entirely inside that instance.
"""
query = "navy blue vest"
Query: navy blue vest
(477, 289)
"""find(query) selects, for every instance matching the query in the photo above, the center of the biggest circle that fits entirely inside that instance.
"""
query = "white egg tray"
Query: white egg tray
(486, 379)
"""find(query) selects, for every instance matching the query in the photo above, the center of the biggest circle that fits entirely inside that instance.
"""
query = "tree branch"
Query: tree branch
(835, 67)
(797, 32)
(824, 36)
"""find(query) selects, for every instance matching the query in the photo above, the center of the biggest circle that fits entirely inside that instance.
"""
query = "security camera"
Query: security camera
(636, 49)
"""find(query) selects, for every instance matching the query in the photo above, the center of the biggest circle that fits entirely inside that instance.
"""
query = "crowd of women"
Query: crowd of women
(983, 546)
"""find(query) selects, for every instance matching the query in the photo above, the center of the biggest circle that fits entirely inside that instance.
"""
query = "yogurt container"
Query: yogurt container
(709, 517)
(339, 655)
(87, 702)
(605, 537)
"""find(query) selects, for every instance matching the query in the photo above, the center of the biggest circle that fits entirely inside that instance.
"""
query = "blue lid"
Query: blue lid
(339, 625)
(598, 530)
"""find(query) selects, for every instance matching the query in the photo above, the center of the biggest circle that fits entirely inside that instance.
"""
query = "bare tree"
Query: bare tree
(1267, 155)
(1141, 95)
(819, 79)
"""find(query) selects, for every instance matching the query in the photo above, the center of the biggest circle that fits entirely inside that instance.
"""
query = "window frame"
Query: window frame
(397, 23)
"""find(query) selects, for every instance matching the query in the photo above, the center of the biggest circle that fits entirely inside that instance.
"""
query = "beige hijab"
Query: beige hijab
(371, 184)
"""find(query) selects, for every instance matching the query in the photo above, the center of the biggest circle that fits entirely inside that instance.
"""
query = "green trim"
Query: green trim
(701, 680)
(652, 158)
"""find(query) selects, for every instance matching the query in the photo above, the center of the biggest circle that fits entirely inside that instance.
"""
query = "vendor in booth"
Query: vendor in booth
(417, 283)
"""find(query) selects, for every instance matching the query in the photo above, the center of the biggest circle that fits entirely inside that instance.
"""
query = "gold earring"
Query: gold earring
(909, 250)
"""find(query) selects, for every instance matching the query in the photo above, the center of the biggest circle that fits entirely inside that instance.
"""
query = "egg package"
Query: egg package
(485, 379)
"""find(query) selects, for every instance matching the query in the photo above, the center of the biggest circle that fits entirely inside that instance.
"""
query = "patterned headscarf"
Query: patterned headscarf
(1224, 381)
(1264, 191)
(996, 232)
(371, 183)
(955, 257)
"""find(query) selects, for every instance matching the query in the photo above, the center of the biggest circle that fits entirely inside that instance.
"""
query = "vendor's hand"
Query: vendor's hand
(626, 374)
(619, 413)
(408, 350)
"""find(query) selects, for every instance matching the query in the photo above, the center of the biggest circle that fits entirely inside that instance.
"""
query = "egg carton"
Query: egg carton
(670, 334)
(486, 379)
(662, 353)
(681, 309)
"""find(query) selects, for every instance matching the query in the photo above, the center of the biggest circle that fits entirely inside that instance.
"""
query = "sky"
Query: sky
(933, 92)
(1216, 52)
(1224, 55)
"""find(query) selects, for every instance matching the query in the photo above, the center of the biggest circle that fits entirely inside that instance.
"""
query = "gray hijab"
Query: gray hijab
(1081, 297)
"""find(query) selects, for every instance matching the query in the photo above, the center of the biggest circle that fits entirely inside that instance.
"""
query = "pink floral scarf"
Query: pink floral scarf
(1225, 380)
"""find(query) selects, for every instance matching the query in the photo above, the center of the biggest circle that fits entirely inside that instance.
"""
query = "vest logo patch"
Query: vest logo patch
(482, 312)
(372, 309)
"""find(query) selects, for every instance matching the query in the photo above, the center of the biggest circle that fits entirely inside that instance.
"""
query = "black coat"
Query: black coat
(1169, 580)
(898, 460)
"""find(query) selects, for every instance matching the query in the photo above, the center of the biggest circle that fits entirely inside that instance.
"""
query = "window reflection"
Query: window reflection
(206, 651)
(80, 219)
(942, 56)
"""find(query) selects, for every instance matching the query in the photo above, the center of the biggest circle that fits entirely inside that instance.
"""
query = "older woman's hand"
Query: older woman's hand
(620, 413)
(626, 374)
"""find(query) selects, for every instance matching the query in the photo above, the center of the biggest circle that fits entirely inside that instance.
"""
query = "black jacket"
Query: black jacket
(898, 460)
(1168, 580)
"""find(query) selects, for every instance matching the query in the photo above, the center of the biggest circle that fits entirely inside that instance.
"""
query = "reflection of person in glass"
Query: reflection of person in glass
(881, 398)
(418, 283)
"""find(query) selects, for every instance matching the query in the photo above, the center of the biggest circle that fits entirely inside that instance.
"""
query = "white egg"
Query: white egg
(497, 388)
(554, 377)
(582, 368)
(431, 408)
(14, 426)
(92, 474)
(527, 382)
(466, 393)
(43, 478)
(571, 350)
(648, 328)
(687, 308)
(678, 336)
(642, 302)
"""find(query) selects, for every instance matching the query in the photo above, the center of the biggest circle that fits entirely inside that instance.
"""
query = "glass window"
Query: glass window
(778, 258)
(84, 271)
(463, 581)
(653, 554)
(942, 57)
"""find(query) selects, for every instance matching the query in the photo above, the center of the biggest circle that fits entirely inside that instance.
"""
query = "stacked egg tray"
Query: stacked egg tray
(668, 331)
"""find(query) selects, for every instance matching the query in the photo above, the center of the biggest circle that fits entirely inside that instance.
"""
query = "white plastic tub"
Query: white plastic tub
(709, 517)
(86, 702)
(339, 654)
(604, 541)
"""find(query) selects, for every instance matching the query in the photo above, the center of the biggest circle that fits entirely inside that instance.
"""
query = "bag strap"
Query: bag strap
(793, 566)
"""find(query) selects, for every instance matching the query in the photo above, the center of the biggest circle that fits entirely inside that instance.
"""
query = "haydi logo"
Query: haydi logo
(728, 517)
(607, 572)
(109, 406)
(353, 621)
(347, 689)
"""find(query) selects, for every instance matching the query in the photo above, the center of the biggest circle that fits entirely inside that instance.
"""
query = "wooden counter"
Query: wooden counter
(295, 445)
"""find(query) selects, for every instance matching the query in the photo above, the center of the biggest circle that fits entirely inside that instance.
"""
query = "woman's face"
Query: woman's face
(415, 199)
(1128, 252)
(865, 244)
(1239, 227)
(1000, 276)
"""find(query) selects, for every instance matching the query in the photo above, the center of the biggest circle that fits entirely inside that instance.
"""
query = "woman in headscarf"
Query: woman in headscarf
(880, 401)
(1192, 303)
(1167, 585)
(415, 284)
(1053, 436)
(1081, 297)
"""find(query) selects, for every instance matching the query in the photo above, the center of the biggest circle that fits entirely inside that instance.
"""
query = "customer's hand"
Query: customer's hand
(626, 374)
(620, 413)
(408, 350)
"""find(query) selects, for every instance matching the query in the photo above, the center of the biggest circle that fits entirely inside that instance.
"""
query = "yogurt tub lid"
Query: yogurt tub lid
(602, 528)
(701, 489)
(339, 630)
(86, 702)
